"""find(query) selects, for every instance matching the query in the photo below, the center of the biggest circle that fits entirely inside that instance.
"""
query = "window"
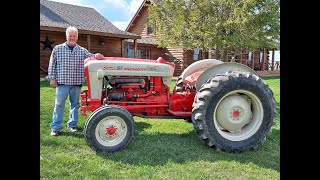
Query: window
(141, 53)
(249, 56)
(149, 27)
(260, 56)
(129, 51)
(196, 53)
(144, 53)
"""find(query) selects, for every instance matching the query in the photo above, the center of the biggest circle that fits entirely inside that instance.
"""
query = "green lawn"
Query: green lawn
(161, 149)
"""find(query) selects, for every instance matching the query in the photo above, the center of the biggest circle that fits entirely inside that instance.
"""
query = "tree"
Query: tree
(216, 24)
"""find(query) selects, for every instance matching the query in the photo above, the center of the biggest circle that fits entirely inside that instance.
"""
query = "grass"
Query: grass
(161, 149)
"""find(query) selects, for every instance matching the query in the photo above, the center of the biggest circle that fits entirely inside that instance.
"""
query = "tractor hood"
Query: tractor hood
(116, 66)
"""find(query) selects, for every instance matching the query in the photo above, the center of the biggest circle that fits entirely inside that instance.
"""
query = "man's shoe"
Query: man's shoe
(54, 133)
(73, 129)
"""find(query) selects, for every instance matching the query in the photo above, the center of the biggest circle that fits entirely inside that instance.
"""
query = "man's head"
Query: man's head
(72, 36)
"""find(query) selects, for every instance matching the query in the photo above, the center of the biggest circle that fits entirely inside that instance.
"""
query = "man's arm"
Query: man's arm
(97, 55)
(52, 69)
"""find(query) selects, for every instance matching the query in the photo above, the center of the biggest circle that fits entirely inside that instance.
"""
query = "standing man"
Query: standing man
(66, 74)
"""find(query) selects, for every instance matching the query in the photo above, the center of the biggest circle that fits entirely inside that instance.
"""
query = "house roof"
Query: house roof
(56, 16)
(138, 11)
(136, 14)
(145, 41)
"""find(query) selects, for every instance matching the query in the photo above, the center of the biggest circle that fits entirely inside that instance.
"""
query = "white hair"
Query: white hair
(71, 29)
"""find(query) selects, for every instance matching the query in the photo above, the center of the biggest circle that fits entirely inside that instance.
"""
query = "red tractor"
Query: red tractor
(230, 107)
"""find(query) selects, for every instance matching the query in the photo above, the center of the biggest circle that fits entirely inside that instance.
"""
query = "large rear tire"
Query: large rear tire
(234, 111)
(109, 128)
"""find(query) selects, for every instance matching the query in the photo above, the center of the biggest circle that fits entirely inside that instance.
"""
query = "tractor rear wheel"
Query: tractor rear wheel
(234, 111)
(109, 128)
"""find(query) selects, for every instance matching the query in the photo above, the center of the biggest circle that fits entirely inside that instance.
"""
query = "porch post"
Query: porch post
(272, 66)
(264, 59)
(88, 41)
(252, 60)
(122, 48)
(135, 48)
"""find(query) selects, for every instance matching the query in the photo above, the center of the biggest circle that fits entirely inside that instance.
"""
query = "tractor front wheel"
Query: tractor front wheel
(233, 111)
(109, 128)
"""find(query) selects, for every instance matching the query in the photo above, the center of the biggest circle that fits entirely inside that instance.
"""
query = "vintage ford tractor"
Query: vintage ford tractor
(230, 107)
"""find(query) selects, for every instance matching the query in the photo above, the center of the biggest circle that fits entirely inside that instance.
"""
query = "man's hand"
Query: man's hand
(98, 56)
(53, 83)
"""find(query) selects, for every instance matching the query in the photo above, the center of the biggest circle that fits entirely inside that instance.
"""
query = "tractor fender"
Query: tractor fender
(200, 65)
(221, 69)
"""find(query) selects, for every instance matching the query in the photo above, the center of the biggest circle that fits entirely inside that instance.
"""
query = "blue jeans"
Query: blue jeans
(62, 92)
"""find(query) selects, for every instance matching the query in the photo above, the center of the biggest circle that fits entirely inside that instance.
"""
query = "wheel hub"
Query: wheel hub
(233, 113)
(111, 130)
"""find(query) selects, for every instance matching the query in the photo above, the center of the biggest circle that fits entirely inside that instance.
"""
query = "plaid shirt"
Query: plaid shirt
(66, 66)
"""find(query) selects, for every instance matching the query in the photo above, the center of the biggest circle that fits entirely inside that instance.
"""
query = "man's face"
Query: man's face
(72, 38)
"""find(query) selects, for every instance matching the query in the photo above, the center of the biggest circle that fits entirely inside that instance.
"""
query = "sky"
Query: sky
(118, 12)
